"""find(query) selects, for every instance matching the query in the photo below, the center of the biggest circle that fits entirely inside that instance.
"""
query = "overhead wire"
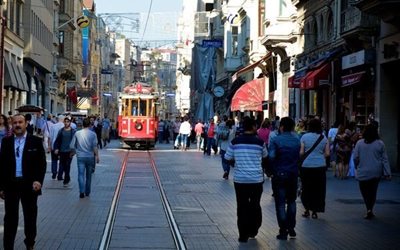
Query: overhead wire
(147, 20)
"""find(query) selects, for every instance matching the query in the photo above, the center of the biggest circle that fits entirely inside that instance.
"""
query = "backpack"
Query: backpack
(223, 132)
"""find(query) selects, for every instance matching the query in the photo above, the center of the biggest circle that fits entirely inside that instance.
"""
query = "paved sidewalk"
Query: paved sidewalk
(64, 220)
(205, 208)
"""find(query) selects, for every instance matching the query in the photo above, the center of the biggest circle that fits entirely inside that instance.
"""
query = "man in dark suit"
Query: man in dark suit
(22, 171)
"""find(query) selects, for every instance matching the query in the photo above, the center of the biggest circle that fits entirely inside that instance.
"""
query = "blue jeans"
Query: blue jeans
(184, 140)
(210, 144)
(225, 163)
(54, 163)
(85, 166)
(285, 193)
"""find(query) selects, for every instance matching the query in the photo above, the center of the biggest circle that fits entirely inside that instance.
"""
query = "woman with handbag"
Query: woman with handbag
(314, 149)
(372, 163)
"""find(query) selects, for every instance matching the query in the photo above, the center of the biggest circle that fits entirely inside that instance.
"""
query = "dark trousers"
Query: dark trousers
(285, 192)
(313, 185)
(249, 215)
(20, 192)
(65, 166)
(368, 190)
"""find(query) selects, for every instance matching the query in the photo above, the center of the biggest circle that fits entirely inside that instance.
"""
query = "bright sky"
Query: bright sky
(161, 24)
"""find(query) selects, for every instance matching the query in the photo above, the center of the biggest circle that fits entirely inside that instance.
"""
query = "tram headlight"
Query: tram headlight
(138, 126)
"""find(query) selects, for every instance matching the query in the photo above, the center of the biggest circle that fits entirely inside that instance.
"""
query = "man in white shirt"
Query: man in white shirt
(54, 129)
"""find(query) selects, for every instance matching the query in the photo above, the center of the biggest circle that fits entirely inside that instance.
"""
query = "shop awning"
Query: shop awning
(14, 75)
(250, 66)
(318, 77)
(23, 76)
(9, 76)
(291, 82)
(20, 75)
(250, 96)
(351, 79)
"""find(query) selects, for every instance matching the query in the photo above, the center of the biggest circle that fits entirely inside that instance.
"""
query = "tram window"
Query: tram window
(134, 107)
(142, 107)
(151, 108)
(126, 107)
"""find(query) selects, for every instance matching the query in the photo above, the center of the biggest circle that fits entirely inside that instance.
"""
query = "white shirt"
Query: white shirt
(54, 132)
(19, 144)
(185, 128)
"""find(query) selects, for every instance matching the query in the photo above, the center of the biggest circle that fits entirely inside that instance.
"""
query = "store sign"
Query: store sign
(353, 60)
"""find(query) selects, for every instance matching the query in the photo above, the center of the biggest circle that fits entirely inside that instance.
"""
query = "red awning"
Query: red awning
(291, 82)
(250, 66)
(250, 96)
(303, 80)
(348, 80)
(318, 77)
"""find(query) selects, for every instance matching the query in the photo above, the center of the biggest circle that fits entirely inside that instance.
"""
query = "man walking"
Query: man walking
(247, 152)
(54, 129)
(22, 171)
(284, 151)
(84, 145)
(61, 148)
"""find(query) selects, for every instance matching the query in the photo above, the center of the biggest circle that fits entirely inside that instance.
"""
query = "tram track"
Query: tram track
(108, 230)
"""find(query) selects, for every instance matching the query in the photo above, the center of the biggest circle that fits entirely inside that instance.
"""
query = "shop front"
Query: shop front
(357, 96)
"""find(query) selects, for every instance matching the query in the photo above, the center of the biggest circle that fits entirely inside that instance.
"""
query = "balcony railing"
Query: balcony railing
(354, 21)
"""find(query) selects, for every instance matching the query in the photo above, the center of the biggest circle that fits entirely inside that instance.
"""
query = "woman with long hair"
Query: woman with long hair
(343, 151)
(371, 162)
(4, 127)
(264, 130)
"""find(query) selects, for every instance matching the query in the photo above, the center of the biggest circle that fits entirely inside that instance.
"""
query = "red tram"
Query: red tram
(137, 118)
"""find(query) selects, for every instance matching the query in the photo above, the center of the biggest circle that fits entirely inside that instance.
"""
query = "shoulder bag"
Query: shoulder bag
(308, 152)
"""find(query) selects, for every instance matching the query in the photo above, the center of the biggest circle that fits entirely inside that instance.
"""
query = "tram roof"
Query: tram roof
(137, 96)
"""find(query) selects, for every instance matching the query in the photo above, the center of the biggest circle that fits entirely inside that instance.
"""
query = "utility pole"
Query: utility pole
(3, 30)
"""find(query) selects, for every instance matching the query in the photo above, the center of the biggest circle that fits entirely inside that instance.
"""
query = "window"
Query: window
(261, 17)
(12, 15)
(209, 6)
(62, 6)
(18, 21)
(235, 40)
(61, 43)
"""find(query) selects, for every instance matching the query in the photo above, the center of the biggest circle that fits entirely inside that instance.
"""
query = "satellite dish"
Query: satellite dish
(83, 21)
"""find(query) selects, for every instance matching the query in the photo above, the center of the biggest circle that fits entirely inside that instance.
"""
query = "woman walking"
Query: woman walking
(343, 151)
(371, 162)
(313, 170)
(4, 128)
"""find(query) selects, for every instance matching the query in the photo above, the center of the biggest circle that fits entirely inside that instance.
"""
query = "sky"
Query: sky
(132, 17)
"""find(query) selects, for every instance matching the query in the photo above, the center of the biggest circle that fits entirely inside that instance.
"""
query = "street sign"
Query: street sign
(106, 72)
(216, 43)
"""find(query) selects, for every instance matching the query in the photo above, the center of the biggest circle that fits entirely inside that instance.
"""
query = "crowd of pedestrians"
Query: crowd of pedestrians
(23, 147)
(294, 156)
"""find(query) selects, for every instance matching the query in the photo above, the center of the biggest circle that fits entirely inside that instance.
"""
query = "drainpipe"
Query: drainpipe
(3, 30)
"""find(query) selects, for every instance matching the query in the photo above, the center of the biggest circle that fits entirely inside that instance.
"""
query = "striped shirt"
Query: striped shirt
(247, 151)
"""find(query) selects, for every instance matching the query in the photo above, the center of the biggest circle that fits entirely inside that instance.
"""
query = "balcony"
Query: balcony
(64, 19)
(388, 10)
(355, 24)
(279, 30)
